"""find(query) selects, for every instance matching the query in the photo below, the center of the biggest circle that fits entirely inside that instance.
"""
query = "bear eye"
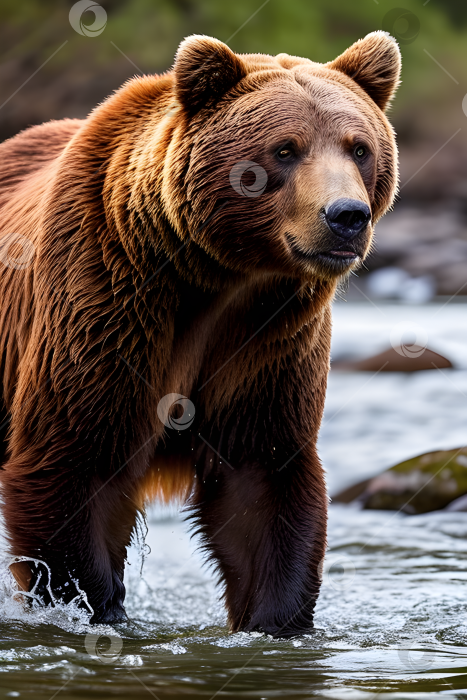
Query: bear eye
(360, 151)
(285, 152)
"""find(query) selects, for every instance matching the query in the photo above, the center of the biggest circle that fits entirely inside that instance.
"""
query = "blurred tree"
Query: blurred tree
(455, 9)
(73, 72)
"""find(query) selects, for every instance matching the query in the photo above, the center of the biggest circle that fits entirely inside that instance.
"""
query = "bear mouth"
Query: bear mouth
(338, 260)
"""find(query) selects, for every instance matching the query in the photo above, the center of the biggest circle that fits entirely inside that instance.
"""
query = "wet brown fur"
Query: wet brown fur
(151, 276)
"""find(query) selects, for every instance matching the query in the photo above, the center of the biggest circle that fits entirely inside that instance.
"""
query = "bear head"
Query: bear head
(278, 164)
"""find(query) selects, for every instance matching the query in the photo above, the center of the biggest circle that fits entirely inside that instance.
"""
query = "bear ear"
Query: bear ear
(375, 64)
(205, 69)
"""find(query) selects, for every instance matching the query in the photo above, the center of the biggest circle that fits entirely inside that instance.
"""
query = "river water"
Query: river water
(391, 619)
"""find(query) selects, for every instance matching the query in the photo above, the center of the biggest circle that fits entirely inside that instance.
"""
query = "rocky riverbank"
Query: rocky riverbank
(425, 249)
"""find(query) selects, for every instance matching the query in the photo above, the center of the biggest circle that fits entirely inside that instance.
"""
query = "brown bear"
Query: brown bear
(167, 271)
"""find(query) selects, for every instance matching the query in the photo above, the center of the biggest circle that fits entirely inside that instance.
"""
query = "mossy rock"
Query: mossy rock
(419, 485)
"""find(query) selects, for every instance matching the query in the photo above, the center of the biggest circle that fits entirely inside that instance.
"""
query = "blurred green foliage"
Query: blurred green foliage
(456, 9)
(149, 31)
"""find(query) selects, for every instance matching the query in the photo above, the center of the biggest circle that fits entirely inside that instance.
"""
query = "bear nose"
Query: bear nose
(347, 217)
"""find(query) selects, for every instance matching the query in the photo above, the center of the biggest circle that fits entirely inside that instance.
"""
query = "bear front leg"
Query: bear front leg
(70, 533)
(265, 526)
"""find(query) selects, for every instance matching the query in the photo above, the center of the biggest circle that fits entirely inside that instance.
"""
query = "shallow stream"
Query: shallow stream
(391, 619)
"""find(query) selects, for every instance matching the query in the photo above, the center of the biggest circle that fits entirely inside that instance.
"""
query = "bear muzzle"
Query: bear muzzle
(347, 218)
(342, 242)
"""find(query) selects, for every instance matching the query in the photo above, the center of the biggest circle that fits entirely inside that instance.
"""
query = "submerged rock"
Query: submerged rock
(407, 358)
(459, 505)
(422, 484)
